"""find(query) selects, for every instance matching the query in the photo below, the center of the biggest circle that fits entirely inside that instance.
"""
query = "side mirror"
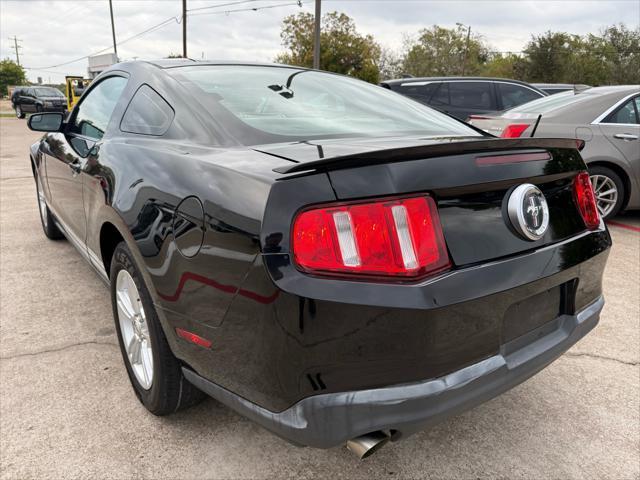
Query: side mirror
(45, 122)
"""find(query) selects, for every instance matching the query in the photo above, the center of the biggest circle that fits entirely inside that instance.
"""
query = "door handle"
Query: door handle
(626, 136)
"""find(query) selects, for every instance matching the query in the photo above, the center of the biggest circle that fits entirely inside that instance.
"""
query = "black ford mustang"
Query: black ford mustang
(332, 260)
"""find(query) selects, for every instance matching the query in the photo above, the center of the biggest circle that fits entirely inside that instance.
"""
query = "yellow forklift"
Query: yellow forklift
(75, 88)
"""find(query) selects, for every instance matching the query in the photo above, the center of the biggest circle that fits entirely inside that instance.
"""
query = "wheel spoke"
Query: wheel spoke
(611, 191)
(124, 303)
(606, 200)
(136, 351)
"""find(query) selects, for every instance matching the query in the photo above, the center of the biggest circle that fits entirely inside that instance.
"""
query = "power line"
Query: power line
(298, 3)
(166, 22)
(158, 26)
(220, 5)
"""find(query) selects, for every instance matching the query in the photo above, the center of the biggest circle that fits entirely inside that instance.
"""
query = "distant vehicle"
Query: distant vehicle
(464, 96)
(606, 118)
(37, 99)
(74, 88)
(552, 88)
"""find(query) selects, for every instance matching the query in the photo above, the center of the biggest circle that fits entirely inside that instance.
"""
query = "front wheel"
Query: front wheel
(608, 189)
(154, 372)
(19, 112)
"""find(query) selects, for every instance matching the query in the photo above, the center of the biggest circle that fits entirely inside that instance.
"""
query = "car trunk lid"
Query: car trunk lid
(471, 180)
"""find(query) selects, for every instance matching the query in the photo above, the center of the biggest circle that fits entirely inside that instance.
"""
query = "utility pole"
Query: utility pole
(316, 37)
(466, 50)
(16, 47)
(113, 30)
(184, 28)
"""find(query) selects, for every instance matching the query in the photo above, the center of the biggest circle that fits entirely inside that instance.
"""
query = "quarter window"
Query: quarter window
(514, 95)
(625, 114)
(420, 92)
(147, 114)
(470, 94)
(95, 110)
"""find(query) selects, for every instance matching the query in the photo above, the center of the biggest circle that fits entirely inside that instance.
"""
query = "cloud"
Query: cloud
(54, 32)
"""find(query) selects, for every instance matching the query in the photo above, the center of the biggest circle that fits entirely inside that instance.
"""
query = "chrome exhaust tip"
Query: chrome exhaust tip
(366, 445)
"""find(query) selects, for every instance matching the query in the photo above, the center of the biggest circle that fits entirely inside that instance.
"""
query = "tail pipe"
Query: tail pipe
(366, 445)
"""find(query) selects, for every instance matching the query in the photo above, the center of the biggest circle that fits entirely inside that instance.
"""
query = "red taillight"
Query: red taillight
(586, 200)
(514, 130)
(390, 237)
(193, 338)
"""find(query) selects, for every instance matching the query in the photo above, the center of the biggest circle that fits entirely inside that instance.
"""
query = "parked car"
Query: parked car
(606, 118)
(464, 96)
(330, 259)
(37, 99)
(552, 88)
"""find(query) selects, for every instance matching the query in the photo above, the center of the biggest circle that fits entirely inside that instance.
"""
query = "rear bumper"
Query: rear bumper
(330, 419)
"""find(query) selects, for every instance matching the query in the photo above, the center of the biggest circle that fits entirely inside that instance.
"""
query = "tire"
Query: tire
(38, 108)
(19, 112)
(164, 390)
(49, 226)
(609, 189)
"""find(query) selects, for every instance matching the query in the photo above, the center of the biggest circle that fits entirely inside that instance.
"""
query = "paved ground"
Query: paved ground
(67, 410)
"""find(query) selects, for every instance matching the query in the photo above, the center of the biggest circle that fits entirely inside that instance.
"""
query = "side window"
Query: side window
(513, 95)
(94, 112)
(441, 96)
(147, 114)
(471, 94)
(625, 114)
(418, 92)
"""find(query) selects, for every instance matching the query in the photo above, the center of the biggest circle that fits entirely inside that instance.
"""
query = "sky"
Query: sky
(59, 31)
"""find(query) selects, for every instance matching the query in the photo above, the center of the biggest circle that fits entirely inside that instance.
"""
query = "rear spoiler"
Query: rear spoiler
(428, 151)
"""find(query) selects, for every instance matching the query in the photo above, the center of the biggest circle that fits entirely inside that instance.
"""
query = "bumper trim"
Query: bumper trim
(328, 420)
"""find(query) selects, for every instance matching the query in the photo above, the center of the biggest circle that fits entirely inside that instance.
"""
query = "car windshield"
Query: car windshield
(262, 104)
(48, 92)
(552, 102)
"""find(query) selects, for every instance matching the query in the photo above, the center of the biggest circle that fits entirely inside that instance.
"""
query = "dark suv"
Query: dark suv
(464, 96)
(37, 99)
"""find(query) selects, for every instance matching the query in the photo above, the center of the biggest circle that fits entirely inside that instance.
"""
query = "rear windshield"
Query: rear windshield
(259, 104)
(552, 102)
(48, 92)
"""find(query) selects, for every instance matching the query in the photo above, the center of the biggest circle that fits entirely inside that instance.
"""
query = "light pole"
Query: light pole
(316, 37)
(113, 30)
(184, 28)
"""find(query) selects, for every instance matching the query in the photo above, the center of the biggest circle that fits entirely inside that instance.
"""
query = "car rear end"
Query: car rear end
(405, 292)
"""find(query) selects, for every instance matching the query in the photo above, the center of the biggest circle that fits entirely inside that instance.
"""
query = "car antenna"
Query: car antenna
(535, 125)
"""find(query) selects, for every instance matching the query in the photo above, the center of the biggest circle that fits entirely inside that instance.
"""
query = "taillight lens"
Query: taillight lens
(396, 237)
(586, 200)
(514, 130)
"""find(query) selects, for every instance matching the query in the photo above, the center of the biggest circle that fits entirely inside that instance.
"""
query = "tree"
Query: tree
(440, 51)
(548, 57)
(505, 66)
(390, 64)
(343, 49)
(10, 74)
(623, 54)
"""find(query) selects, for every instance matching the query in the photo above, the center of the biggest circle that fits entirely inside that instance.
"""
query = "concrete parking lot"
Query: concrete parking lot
(67, 409)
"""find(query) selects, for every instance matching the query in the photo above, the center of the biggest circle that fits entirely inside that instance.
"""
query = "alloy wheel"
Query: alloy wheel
(18, 111)
(606, 193)
(134, 329)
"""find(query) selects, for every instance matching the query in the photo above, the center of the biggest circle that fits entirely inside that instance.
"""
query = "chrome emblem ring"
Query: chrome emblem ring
(528, 211)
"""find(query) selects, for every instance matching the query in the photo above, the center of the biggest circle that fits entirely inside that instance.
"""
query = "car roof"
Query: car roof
(597, 100)
(560, 85)
(185, 62)
(454, 78)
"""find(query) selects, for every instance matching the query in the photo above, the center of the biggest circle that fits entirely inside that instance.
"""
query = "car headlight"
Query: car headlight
(48, 104)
